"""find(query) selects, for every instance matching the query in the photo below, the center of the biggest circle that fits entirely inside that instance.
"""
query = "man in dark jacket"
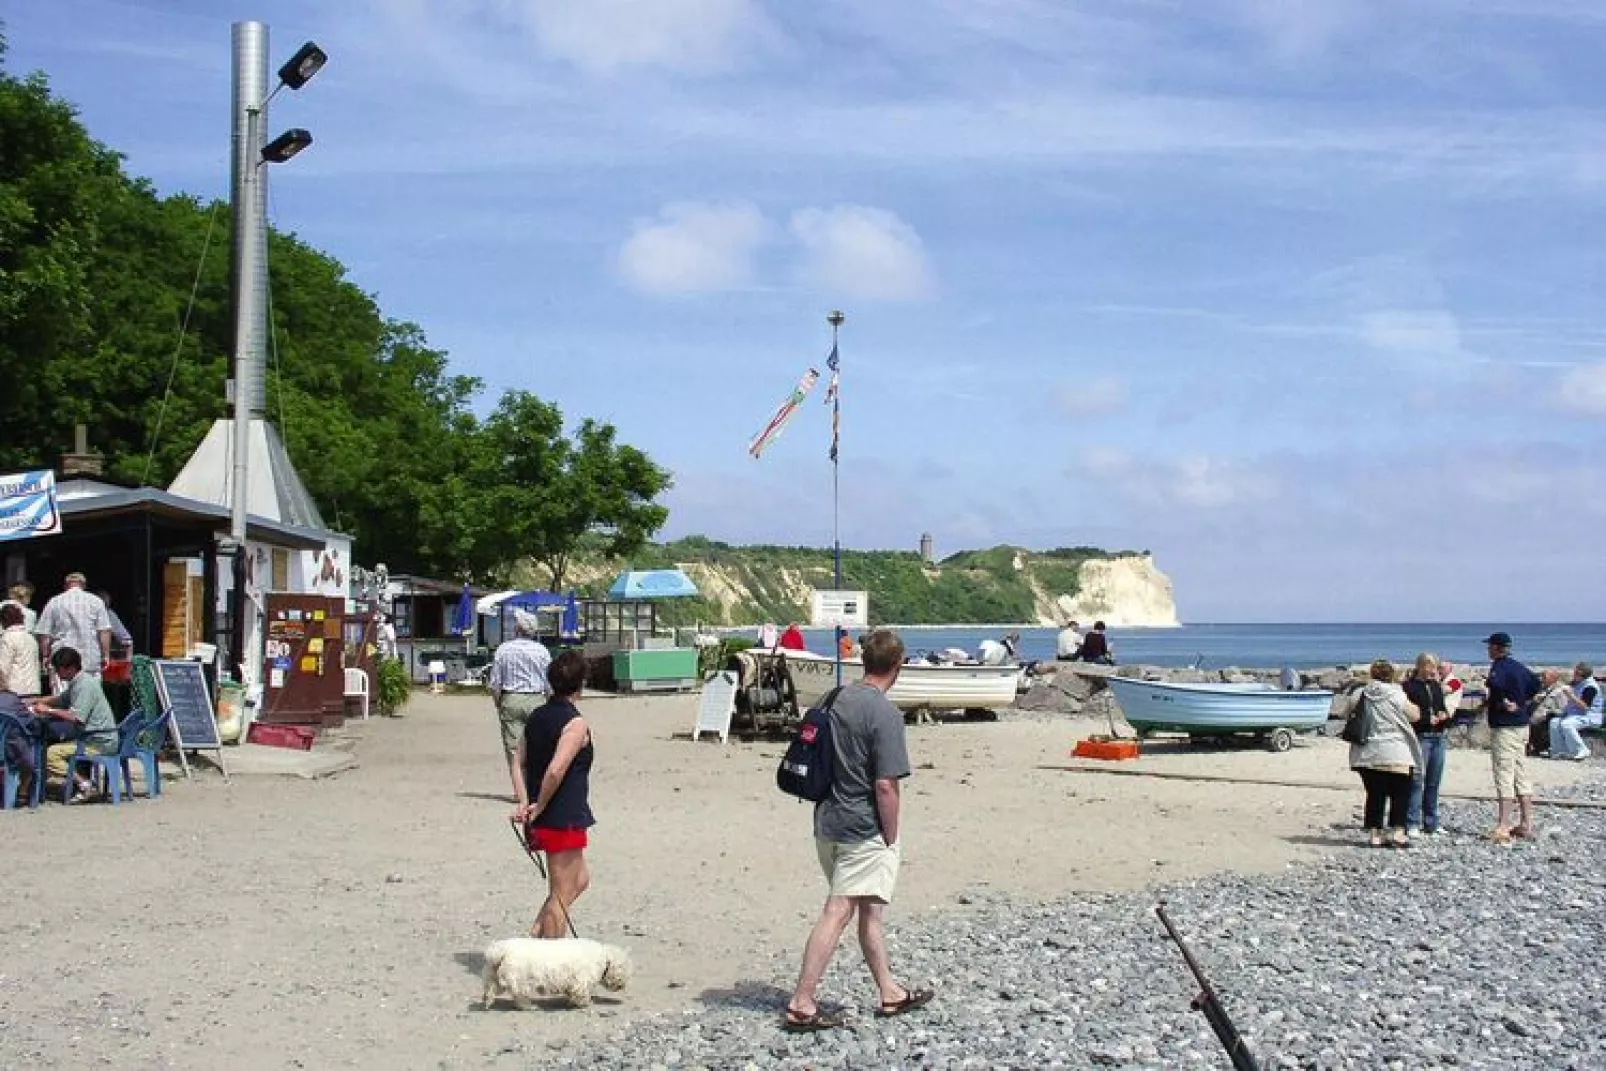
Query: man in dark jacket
(1512, 687)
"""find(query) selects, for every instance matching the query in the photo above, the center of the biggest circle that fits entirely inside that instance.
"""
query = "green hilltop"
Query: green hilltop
(745, 585)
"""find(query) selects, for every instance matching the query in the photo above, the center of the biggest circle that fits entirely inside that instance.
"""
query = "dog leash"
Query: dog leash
(535, 857)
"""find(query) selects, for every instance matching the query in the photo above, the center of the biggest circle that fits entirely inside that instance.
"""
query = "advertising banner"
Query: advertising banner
(28, 505)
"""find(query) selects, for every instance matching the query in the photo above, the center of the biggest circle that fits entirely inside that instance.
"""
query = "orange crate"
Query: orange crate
(1102, 747)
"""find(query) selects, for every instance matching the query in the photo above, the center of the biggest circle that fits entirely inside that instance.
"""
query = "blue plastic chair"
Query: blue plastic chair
(13, 726)
(112, 766)
(148, 741)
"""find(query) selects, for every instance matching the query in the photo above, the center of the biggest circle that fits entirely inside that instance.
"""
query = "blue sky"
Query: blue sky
(1303, 296)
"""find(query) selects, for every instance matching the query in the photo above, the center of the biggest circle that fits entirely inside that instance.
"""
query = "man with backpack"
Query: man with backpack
(1512, 688)
(856, 828)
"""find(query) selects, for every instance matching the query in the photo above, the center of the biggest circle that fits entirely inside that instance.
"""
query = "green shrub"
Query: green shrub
(393, 687)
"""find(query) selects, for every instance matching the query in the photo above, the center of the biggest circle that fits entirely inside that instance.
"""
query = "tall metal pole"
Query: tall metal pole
(835, 318)
(248, 280)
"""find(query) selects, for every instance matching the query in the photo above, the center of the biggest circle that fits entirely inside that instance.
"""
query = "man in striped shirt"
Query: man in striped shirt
(76, 618)
(518, 685)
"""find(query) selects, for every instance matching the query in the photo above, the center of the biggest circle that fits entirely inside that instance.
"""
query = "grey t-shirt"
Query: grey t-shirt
(867, 731)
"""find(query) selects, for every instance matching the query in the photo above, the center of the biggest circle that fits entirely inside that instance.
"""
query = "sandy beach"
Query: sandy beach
(273, 922)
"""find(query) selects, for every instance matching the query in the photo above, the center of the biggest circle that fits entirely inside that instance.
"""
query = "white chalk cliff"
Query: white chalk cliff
(1125, 592)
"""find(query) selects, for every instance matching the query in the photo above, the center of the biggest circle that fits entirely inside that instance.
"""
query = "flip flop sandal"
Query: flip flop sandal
(1500, 836)
(912, 999)
(798, 1023)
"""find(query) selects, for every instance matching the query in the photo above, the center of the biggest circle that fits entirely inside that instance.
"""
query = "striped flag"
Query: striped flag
(772, 430)
(834, 396)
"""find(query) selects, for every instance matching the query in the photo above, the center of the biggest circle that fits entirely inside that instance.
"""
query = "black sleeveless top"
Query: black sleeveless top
(570, 806)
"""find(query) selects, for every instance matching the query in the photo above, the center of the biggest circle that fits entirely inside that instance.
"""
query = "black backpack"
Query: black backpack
(807, 768)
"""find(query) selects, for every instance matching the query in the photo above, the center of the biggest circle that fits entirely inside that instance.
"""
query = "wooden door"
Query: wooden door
(175, 609)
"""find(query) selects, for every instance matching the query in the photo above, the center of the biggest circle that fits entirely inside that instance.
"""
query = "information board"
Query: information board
(840, 609)
(717, 705)
(182, 687)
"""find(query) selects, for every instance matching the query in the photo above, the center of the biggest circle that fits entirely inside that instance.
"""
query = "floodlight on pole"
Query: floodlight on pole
(300, 68)
(286, 145)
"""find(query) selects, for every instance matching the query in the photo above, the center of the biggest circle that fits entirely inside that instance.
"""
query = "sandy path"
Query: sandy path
(269, 923)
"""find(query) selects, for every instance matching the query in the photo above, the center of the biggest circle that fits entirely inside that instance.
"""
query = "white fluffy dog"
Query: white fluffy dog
(523, 968)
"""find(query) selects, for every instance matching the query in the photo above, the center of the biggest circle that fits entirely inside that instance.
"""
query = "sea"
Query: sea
(1272, 646)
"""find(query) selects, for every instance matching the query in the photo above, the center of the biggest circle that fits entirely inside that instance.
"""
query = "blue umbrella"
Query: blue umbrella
(463, 617)
(652, 584)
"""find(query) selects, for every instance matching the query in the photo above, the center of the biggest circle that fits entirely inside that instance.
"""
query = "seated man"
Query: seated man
(1584, 712)
(86, 715)
(1096, 647)
(1551, 703)
(1068, 645)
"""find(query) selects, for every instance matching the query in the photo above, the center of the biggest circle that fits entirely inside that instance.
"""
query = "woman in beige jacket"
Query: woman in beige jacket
(1390, 755)
(19, 654)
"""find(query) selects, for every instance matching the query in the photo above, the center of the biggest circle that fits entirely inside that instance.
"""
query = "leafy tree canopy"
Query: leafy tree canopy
(96, 276)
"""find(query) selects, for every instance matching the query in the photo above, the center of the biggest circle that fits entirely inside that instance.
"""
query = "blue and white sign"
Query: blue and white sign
(28, 505)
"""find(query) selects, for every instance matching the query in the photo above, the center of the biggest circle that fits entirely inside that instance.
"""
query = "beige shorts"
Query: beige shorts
(513, 711)
(865, 868)
(1507, 753)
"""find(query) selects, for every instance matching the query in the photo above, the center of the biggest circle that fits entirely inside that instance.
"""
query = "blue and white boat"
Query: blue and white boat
(1220, 709)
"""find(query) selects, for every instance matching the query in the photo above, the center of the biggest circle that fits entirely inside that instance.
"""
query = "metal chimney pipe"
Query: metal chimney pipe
(248, 267)
(248, 281)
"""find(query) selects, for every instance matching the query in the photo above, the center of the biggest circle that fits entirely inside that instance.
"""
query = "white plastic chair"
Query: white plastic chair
(357, 688)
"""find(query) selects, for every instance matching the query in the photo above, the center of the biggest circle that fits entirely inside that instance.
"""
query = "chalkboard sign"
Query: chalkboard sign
(183, 690)
(718, 703)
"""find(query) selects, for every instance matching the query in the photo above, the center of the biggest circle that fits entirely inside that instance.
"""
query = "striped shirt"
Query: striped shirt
(520, 666)
(75, 619)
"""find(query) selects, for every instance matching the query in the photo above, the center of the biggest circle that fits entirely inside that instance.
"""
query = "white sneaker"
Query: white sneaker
(1414, 832)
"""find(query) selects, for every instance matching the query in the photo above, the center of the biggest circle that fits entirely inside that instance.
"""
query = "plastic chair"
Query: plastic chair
(110, 765)
(357, 688)
(10, 726)
(149, 739)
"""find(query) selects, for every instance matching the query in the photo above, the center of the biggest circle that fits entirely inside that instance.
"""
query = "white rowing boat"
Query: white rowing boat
(920, 686)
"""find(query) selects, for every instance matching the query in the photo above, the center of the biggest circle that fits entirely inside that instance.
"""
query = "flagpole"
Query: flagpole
(835, 318)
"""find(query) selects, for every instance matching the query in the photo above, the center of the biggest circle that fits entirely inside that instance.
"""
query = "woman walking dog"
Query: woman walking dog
(554, 804)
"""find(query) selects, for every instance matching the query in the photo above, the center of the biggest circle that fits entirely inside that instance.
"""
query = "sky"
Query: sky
(1303, 296)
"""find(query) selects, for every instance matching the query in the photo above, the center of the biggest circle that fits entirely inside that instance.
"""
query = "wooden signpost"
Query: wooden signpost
(182, 687)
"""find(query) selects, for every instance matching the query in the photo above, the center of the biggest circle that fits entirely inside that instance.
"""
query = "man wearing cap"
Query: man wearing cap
(1512, 687)
(518, 685)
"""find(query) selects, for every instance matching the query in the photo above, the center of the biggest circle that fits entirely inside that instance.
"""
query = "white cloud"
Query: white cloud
(1417, 332)
(1299, 30)
(853, 251)
(606, 36)
(1090, 398)
(693, 248)
(1198, 481)
(1583, 390)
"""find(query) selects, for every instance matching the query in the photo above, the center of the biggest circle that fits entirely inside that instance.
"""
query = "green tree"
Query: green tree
(114, 313)
(527, 491)
(55, 184)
